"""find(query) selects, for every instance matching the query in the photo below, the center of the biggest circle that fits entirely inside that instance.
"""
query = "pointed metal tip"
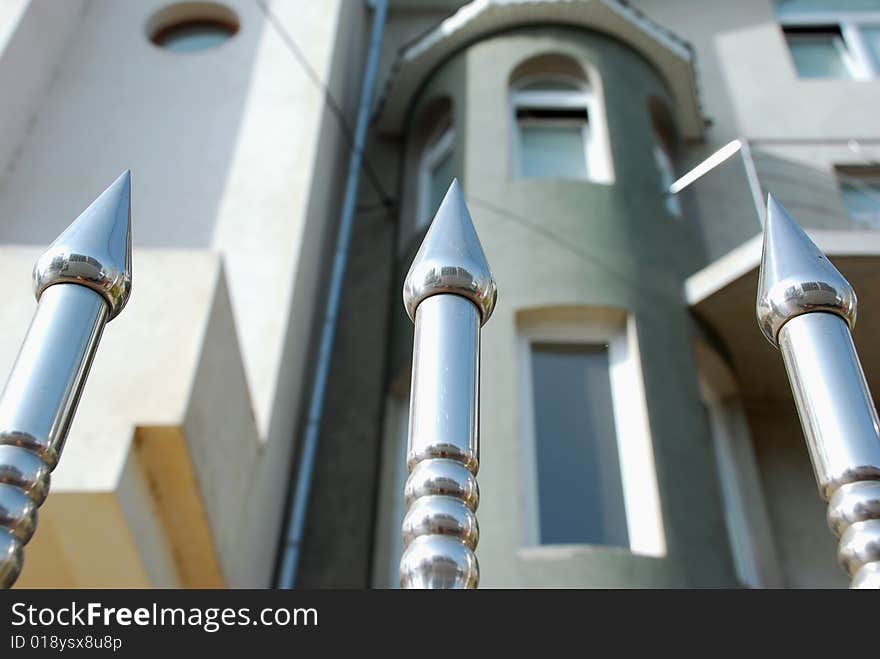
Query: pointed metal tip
(796, 277)
(95, 250)
(451, 260)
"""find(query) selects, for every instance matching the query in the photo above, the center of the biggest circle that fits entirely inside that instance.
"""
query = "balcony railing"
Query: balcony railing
(839, 198)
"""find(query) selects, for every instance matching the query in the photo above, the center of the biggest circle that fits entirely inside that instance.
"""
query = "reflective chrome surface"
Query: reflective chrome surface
(438, 562)
(859, 546)
(443, 417)
(796, 277)
(841, 428)
(43, 389)
(450, 293)
(837, 414)
(868, 577)
(446, 477)
(853, 502)
(78, 292)
(17, 512)
(451, 260)
(443, 430)
(806, 305)
(11, 556)
(95, 250)
(25, 470)
(441, 515)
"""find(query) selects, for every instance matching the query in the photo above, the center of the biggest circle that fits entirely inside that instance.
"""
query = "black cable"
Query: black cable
(648, 283)
(334, 106)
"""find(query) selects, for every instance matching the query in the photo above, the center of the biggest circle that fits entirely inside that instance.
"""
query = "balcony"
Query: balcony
(832, 190)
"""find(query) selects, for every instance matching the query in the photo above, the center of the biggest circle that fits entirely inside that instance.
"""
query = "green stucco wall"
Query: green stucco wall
(562, 242)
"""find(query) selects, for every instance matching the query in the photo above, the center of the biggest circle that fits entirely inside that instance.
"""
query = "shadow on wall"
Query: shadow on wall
(119, 101)
(812, 194)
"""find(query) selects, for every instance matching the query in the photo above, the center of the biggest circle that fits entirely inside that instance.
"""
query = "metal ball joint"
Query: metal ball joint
(807, 309)
(449, 293)
(82, 281)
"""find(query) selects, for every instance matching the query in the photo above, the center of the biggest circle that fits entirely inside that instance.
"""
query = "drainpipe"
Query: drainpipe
(299, 501)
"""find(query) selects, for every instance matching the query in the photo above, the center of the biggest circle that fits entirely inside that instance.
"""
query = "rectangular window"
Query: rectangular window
(553, 131)
(588, 461)
(871, 37)
(820, 52)
(440, 176)
(392, 508)
(553, 149)
(828, 39)
(436, 171)
(860, 191)
(580, 497)
(667, 176)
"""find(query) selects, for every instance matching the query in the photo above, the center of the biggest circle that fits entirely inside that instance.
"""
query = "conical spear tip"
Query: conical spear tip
(95, 250)
(796, 277)
(451, 260)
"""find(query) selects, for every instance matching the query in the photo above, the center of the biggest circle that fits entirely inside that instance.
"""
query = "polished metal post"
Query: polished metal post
(81, 283)
(807, 309)
(449, 293)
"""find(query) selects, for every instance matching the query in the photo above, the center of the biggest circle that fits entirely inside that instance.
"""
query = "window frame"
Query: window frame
(857, 176)
(581, 96)
(746, 518)
(171, 37)
(666, 168)
(861, 63)
(392, 508)
(638, 476)
(437, 147)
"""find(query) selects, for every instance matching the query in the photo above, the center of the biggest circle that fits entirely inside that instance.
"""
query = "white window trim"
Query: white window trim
(435, 150)
(869, 219)
(638, 477)
(389, 545)
(596, 151)
(667, 177)
(748, 523)
(857, 57)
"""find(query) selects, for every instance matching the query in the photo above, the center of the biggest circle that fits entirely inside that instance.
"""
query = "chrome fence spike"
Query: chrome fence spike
(95, 250)
(807, 309)
(451, 260)
(449, 294)
(81, 282)
(796, 277)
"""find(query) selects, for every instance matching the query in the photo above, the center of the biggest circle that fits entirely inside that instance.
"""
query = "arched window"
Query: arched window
(432, 159)
(559, 131)
(589, 476)
(436, 171)
(663, 131)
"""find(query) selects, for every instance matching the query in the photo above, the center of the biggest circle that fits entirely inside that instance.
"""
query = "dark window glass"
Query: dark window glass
(819, 52)
(440, 178)
(580, 496)
(193, 36)
(861, 198)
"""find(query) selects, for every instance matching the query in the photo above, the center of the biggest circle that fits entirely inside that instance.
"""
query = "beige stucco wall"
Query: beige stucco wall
(799, 129)
(570, 247)
(804, 545)
(749, 88)
(236, 164)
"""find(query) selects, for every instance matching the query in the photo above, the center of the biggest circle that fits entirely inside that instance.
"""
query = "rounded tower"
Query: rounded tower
(596, 469)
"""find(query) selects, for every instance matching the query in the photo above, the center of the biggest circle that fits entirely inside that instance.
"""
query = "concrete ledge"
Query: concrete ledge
(173, 486)
(141, 492)
(747, 257)
(722, 295)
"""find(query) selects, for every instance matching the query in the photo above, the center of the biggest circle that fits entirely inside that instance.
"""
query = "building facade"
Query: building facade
(636, 430)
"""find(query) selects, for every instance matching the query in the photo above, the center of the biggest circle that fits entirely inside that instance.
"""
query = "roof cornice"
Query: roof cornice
(672, 56)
